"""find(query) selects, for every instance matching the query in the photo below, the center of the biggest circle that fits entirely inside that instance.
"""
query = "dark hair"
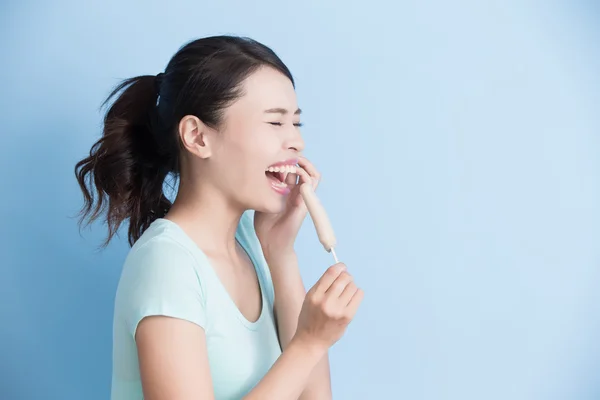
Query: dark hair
(126, 169)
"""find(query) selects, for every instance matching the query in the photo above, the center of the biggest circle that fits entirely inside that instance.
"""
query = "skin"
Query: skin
(222, 175)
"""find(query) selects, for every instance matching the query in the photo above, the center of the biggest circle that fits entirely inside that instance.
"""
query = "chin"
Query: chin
(270, 200)
(273, 204)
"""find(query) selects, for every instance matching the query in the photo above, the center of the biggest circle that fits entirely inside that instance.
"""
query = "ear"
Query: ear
(193, 134)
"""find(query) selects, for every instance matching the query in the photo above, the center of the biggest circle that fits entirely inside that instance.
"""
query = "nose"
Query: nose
(294, 141)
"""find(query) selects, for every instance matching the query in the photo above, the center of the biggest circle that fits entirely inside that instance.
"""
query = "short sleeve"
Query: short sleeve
(160, 278)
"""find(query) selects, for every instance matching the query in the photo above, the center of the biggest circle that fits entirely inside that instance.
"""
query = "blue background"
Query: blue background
(459, 147)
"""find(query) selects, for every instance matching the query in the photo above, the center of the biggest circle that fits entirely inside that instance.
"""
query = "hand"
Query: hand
(329, 306)
(277, 232)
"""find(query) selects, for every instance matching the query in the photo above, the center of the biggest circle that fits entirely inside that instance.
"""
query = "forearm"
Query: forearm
(290, 374)
(289, 296)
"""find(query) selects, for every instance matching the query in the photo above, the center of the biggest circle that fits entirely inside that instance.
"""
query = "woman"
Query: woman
(210, 304)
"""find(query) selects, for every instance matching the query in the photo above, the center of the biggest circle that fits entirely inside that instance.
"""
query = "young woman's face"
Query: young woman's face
(260, 130)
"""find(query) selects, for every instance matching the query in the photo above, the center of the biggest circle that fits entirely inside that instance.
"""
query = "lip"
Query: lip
(281, 190)
(291, 161)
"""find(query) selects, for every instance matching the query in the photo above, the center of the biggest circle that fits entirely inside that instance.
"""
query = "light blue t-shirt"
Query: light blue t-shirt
(166, 273)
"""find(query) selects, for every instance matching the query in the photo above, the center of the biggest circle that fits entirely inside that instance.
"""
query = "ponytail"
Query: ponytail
(125, 171)
(126, 168)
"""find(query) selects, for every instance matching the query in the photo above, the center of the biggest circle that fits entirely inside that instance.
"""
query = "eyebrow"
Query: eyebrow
(281, 111)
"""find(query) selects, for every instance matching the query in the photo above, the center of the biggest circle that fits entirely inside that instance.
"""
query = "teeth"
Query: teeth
(290, 169)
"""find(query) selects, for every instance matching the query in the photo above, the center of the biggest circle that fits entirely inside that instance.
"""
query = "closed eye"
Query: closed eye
(298, 124)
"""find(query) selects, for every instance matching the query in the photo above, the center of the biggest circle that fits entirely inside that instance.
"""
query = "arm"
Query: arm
(173, 360)
(178, 369)
(289, 295)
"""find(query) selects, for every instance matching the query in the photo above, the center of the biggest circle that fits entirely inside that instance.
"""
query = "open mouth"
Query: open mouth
(278, 174)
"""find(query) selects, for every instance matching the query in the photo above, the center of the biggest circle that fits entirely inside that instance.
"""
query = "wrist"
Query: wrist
(276, 257)
(308, 346)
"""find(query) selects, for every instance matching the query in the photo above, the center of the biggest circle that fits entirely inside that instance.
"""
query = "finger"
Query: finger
(300, 177)
(348, 293)
(338, 286)
(354, 303)
(304, 176)
(328, 278)
(291, 179)
(310, 168)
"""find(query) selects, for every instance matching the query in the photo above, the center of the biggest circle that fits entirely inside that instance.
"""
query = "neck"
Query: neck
(208, 219)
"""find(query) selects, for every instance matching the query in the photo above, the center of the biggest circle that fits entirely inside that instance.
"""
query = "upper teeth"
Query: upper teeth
(283, 168)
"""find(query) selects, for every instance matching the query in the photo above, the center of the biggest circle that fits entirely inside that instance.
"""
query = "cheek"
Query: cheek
(256, 146)
(242, 162)
(247, 152)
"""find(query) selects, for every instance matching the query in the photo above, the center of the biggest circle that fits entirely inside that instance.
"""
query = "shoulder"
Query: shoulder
(160, 252)
(161, 276)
